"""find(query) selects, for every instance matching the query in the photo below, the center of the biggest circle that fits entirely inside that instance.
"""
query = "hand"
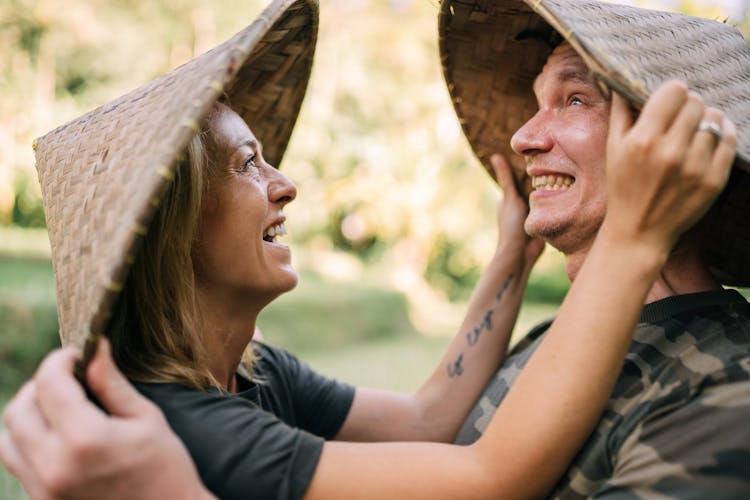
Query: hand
(662, 172)
(511, 214)
(59, 445)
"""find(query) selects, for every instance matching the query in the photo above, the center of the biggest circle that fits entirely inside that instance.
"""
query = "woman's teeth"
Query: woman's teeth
(272, 232)
(553, 182)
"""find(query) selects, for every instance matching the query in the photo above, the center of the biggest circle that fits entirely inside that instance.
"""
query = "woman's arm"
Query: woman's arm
(558, 398)
(436, 411)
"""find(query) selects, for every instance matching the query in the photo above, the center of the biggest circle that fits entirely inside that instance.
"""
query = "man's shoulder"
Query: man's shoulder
(671, 444)
(689, 343)
(687, 373)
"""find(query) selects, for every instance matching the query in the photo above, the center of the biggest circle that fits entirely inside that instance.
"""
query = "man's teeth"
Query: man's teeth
(553, 182)
(274, 231)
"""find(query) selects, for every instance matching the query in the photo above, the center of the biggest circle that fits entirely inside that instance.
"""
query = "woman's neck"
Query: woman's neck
(228, 328)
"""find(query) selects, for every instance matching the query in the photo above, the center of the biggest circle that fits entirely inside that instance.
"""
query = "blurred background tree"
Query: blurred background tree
(390, 192)
(394, 218)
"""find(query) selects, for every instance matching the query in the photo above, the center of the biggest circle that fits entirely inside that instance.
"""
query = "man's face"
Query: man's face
(564, 146)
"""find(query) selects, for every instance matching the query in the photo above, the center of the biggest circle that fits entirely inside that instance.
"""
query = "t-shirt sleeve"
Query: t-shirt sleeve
(240, 450)
(320, 404)
(698, 450)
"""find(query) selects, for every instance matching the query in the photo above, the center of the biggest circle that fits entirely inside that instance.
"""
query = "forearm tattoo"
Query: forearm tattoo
(456, 368)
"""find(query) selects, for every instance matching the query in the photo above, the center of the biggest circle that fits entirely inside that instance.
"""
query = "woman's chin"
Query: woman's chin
(293, 281)
(288, 281)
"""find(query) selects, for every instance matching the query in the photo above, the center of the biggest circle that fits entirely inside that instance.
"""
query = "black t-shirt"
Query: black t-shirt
(265, 440)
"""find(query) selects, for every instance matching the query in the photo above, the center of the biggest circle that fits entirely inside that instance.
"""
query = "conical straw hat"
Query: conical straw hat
(103, 174)
(492, 50)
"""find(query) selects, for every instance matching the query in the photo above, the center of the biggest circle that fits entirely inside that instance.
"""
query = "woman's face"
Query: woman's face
(237, 252)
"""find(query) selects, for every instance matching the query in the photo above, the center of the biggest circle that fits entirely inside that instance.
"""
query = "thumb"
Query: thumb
(504, 175)
(621, 118)
(110, 386)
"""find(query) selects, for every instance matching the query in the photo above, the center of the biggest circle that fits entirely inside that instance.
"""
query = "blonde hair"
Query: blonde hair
(156, 327)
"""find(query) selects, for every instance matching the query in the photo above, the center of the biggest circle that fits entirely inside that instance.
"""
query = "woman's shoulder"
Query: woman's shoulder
(173, 395)
(239, 448)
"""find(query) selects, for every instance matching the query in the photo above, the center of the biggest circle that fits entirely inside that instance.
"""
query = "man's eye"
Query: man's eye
(574, 101)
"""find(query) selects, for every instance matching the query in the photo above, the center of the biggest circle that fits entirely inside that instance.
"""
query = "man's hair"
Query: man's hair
(156, 326)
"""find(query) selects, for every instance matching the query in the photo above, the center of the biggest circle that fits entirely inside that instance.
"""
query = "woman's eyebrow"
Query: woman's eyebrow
(253, 144)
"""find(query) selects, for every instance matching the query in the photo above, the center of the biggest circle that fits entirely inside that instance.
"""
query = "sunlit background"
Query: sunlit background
(394, 217)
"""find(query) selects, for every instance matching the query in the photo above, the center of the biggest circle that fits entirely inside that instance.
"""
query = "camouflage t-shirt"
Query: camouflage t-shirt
(678, 422)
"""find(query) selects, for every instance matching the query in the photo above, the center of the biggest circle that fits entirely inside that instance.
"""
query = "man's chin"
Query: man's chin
(557, 236)
(544, 230)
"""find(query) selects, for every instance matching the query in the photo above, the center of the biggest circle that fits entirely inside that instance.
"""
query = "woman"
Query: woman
(210, 262)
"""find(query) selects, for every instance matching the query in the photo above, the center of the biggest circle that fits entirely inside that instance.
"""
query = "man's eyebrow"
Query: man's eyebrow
(575, 75)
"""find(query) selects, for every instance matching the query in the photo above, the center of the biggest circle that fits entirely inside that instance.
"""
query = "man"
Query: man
(676, 424)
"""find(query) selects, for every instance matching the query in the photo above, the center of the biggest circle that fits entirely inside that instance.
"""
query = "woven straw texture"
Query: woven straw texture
(490, 62)
(102, 175)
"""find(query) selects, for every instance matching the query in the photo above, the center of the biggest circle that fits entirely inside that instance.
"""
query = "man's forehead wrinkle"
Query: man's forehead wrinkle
(572, 68)
(575, 75)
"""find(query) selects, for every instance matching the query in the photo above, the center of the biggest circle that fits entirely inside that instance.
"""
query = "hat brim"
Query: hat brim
(103, 174)
(492, 50)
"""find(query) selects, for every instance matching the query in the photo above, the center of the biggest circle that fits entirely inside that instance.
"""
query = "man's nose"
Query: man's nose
(533, 137)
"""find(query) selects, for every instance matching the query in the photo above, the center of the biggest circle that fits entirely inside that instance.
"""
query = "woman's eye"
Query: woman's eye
(250, 163)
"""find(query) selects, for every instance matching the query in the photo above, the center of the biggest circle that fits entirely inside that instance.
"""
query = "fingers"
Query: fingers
(60, 397)
(682, 132)
(29, 444)
(662, 108)
(727, 148)
(718, 152)
(24, 419)
(682, 165)
(111, 387)
(504, 175)
(14, 461)
(621, 118)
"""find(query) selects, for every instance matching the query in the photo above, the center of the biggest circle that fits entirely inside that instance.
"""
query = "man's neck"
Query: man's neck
(683, 273)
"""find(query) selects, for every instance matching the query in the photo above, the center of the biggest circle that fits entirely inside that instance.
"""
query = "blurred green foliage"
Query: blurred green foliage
(320, 316)
(351, 313)
(28, 318)
(390, 193)
(383, 169)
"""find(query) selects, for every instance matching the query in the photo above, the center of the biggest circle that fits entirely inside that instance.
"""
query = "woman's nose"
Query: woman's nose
(533, 137)
(280, 188)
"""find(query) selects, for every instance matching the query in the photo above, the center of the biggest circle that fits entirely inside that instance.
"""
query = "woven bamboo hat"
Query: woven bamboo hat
(103, 174)
(492, 50)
